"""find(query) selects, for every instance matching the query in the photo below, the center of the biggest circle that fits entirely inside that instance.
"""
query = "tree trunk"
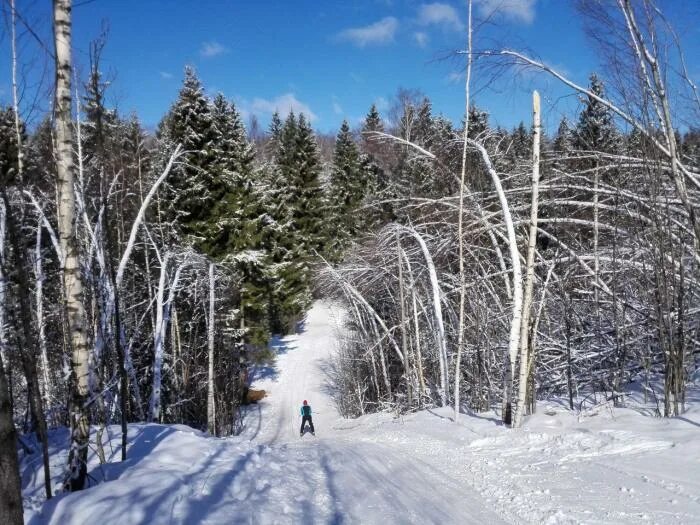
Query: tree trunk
(10, 487)
(460, 221)
(162, 322)
(514, 339)
(72, 280)
(3, 221)
(39, 297)
(404, 322)
(15, 99)
(437, 307)
(27, 342)
(530, 266)
(211, 409)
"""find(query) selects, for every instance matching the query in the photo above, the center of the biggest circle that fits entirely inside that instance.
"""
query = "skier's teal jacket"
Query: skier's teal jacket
(305, 410)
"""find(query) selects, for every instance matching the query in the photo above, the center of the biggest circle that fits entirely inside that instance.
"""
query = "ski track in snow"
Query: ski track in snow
(422, 468)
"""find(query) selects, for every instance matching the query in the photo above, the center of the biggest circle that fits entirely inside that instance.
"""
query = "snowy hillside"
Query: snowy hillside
(423, 468)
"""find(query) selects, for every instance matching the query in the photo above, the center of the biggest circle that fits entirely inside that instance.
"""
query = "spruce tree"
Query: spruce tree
(522, 143)
(300, 169)
(274, 136)
(373, 163)
(287, 242)
(596, 127)
(193, 189)
(412, 173)
(8, 147)
(346, 191)
(478, 123)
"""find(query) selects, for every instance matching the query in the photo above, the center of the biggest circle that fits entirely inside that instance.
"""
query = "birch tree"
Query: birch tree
(72, 279)
(460, 235)
(525, 345)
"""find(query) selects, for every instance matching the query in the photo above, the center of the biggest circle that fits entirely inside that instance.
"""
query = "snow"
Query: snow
(612, 466)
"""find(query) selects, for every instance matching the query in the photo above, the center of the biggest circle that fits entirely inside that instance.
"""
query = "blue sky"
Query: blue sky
(331, 59)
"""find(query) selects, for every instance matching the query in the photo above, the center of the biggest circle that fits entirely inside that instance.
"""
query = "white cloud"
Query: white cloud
(440, 15)
(165, 75)
(421, 38)
(282, 104)
(515, 10)
(337, 108)
(212, 49)
(381, 32)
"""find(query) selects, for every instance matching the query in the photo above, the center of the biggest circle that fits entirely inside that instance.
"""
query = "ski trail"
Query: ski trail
(176, 475)
(299, 374)
(353, 480)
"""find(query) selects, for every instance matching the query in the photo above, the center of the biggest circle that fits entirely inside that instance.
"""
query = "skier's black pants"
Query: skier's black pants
(304, 419)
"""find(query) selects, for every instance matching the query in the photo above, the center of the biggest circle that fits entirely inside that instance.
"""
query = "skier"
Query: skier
(306, 416)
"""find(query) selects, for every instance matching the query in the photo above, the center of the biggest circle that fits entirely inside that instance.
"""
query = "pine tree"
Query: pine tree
(300, 170)
(478, 123)
(99, 123)
(274, 136)
(373, 162)
(346, 190)
(193, 189)
(596, 127)
(563, 140)
(522, 143)
(8, 147)
(289, 276)
(239, 224)
(412, 175)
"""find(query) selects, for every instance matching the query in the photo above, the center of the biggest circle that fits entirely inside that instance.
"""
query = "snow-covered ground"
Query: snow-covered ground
(613, 466)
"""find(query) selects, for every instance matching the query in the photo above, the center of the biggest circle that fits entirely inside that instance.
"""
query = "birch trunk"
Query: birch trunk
(530, 265)
(514, 338)
(211, 409)
(460, 235)
(437, 308)
(15, 99)
(39, 298)
(3, 349)
(404, 327)
(72, 280)
(416, 327)
(162, 321)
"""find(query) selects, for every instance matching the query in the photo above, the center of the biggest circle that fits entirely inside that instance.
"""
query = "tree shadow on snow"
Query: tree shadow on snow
(142, 440)
(279, 347)
(331, 373)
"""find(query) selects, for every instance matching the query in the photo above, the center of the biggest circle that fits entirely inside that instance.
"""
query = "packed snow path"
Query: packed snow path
(175, 475)
(343, 479)
(604, 466)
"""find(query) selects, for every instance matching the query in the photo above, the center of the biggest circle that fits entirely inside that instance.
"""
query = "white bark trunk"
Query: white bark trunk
(416, 328)
(437, 308)
(15, 99)
(3, 347)
(404, 327)
(211, 408)
(514, 338)
(39, 298)
(460, 235)
(530, 265)
(142, 211)
(72, 279)
(163, 306)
